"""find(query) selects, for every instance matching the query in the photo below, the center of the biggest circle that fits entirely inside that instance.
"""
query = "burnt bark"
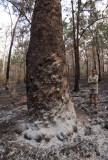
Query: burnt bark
(99, 64)
(102, 50)
(76, 45)
(93, 49)
(87, 63)
(46, 78)
(77, 70)
(94, 57)
(98, 56)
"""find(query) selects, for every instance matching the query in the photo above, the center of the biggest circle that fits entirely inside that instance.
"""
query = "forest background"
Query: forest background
(85, 34)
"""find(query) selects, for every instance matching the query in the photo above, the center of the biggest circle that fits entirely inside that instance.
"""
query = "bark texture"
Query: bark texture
(47, 86)
(76, 44)
(98, 55)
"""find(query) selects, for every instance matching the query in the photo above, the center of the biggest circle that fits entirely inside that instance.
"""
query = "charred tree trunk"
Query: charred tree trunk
(76, 84)
(10, 51)
(99, 63)
(93, 49)
(76, 46)
(77, 40)
(102, 50)
(94, 57)
(98, 56)
(48, 96)
(87, 64)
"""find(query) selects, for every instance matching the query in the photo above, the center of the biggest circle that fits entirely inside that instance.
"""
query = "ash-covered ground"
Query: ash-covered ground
(88, 140)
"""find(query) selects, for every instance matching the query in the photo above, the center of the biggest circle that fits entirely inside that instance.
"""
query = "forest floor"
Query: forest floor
(89, 140)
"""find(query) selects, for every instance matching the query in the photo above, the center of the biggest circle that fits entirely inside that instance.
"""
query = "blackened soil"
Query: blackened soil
(89, 140)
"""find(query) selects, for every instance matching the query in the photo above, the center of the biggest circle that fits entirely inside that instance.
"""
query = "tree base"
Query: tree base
(60, 128)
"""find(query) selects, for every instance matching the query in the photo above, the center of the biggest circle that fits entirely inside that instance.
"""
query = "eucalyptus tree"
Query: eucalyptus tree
(10, 51)
(23, 7)
(84, 15)
(48, 97)
(67, 34)
(4, 45)
(100, 43)
(18, 59)
(22, 10)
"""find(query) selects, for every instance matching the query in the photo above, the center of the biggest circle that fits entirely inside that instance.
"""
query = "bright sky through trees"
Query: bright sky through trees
(66, 4)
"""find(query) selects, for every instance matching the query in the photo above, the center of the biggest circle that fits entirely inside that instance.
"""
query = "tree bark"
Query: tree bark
(99, 63)
(102, 50)
(76, 47)
(93, 49)
(94, 57)
(87, 64)
(48, 96)
(78, 57)
(77, 71)
(98, 56)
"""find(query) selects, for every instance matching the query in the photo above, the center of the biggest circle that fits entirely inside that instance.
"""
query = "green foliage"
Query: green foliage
(19, 55)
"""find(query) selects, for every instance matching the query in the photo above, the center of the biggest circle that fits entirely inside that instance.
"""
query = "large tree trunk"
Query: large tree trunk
(46, 79)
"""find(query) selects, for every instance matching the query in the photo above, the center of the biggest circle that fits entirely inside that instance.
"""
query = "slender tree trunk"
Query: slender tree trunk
(48, 97)
(87, 68)
(78, 20)
(99, 63)
(73, 62)
(24, 73)
(94, 57)
(10, 51)
(76, 47)
(93, 49)
(102, 50)
(76, 84)
(87, 64)
(16, 73)
(98, 55)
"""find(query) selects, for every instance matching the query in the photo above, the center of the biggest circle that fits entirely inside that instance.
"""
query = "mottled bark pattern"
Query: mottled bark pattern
(47, 86)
